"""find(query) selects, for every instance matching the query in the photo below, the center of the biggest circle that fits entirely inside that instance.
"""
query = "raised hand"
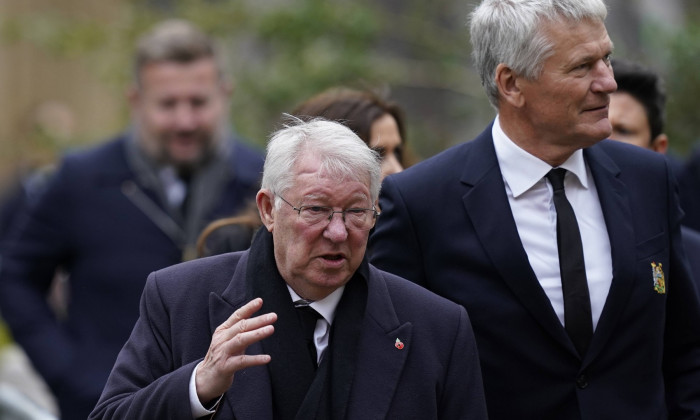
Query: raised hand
(226, 354)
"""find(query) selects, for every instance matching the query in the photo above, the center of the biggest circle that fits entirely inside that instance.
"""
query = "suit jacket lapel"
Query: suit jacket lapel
(498, 234)
(156, 214)
(128, 174)
(250, 395)
(378, 353)
(618, 215)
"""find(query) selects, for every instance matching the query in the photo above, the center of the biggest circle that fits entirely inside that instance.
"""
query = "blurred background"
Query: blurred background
(66, 65)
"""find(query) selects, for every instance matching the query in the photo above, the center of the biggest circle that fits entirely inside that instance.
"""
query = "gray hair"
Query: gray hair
(510, 32)
(177, 41)
(342, 153)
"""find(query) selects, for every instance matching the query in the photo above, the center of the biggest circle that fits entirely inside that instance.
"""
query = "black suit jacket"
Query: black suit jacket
(446, 224)
(108, 229)
(434, 374)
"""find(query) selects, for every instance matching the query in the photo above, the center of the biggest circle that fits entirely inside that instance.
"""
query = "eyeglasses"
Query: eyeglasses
(354, 218)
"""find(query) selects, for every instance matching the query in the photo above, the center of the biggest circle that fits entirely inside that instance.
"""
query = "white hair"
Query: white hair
(342, 153)
(510, 32)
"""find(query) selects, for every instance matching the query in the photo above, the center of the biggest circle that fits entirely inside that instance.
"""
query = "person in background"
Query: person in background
(229, 234)
(299, 326)
(637, 116)
(637, 108)
(564, 248)
(115, 212)
(378, 122)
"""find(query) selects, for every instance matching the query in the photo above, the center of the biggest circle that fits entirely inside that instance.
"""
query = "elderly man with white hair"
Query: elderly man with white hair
(299, 326)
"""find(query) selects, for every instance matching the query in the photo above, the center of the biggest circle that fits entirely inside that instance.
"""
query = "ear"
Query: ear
(660, 144)
(266, 204)
(508, 84)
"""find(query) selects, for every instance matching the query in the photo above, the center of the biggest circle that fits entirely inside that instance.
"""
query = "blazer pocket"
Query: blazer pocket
(652, 246)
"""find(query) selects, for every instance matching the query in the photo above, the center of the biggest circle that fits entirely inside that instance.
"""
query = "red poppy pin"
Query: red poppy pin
(398, 344)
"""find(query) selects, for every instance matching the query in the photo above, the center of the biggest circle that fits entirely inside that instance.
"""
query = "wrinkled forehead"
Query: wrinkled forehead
(311, 173)
(328, 168)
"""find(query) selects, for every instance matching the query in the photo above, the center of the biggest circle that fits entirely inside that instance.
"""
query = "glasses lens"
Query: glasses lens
(358, 218)
(315, 214)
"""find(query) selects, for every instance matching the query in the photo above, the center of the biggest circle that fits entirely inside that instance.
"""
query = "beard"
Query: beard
(185, 151)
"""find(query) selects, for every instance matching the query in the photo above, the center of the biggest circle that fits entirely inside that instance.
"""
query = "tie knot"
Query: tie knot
(556, 178)
(301, 303)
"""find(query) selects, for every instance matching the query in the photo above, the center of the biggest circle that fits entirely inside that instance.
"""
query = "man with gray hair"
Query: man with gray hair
(564, 247)
(112, 214)
(333, 337)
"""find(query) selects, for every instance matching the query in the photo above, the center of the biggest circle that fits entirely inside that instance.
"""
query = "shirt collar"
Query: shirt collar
(521, 170)
(326, 306)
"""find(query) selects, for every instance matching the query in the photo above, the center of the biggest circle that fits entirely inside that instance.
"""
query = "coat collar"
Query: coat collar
(380, 355)
(614, 201)
(136, 176)
(250, 396)
(484, 183)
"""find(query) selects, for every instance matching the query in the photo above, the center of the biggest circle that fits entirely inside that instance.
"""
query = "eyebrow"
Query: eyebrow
(356, 197)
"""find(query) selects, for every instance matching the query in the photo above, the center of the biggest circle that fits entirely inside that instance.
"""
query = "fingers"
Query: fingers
(227, 351)
(244, 312)
(238, 342)
(241, 322)
(235, 349)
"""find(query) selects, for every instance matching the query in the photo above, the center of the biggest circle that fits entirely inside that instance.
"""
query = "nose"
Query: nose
(185, 117)
(604, 78)
(336, 230)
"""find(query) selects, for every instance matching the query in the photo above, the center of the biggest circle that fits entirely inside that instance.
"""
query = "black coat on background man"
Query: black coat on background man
(103, 220)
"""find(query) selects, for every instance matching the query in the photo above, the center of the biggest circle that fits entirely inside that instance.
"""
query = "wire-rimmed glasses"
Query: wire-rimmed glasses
(354, 218)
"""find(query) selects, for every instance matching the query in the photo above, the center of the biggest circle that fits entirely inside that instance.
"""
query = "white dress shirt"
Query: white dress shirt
(531, 202)
(175, 188)
(325, 307)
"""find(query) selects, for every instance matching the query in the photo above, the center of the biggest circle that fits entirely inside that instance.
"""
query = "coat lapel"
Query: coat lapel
(380, 362)
(155, 213)
(618, 215)
(495, 227)
(250, 395)
(130, 180)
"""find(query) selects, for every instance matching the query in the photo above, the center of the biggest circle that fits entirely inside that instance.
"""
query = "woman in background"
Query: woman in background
(378, 122)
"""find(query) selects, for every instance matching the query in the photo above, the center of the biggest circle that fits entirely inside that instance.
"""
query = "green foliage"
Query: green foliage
(55, 33)
(281, 52)
(299, 51)
(675, 53)
(683, 86)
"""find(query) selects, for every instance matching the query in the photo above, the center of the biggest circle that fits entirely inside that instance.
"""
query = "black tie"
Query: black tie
(308, 317)
(577, 303)
(185, 178)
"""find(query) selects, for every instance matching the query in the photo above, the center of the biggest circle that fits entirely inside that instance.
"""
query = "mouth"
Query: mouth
(184, 137)
(603, 107)
(333, 261)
